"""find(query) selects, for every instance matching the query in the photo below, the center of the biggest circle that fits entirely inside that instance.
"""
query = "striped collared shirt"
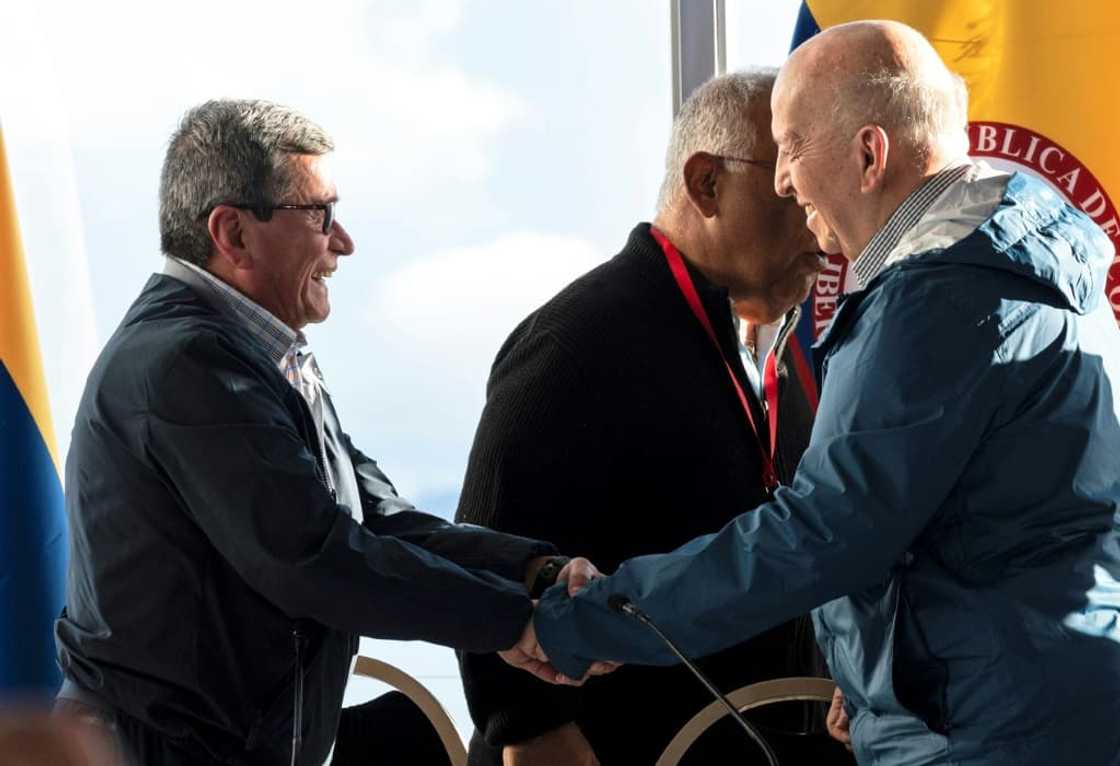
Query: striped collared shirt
(276, 338)
(874, 257)
(283, 345)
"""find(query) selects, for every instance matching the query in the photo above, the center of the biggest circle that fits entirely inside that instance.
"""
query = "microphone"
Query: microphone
(623, 605)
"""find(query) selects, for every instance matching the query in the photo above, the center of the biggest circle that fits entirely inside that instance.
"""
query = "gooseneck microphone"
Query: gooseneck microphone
(623, 605)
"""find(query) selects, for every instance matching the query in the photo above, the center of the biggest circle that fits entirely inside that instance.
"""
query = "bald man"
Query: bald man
(954, 522)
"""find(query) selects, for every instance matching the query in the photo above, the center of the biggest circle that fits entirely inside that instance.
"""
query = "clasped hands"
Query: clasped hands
(527, 653)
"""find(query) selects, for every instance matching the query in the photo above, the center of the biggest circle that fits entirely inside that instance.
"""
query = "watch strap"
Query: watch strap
(547, 574)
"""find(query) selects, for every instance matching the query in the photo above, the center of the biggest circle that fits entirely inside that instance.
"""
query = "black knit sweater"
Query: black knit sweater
(612, 430)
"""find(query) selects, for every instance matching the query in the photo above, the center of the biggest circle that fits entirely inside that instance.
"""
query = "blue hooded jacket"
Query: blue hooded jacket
(955, 522)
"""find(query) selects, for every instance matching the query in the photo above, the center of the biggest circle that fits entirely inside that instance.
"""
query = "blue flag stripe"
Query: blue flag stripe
(33, 551)
(805, 27)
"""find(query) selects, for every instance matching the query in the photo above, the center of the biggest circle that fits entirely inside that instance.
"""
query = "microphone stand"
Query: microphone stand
(623, 605)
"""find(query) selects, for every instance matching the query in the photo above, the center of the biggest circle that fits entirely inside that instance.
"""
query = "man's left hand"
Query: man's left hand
(837, 720)
(577, 573)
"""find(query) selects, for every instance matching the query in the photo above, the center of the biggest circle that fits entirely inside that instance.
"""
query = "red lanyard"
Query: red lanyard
(770, 377)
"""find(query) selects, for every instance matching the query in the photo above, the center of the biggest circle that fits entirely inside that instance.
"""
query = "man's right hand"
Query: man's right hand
(565, 746)
(528, 655)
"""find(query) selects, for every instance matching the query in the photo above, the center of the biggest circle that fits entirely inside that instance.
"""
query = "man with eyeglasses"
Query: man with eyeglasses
(624, 417)
(229, 542)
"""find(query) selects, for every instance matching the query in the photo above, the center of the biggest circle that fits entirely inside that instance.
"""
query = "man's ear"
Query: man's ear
(228, 236)
(873, 145)
(700, 173)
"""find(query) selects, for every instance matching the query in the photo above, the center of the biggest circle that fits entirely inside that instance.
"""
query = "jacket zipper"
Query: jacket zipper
(297, 709)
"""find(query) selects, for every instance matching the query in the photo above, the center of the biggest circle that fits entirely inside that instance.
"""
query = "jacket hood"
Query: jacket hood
(1035, 234)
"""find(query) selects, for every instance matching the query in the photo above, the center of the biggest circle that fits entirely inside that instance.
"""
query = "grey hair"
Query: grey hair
(716, 119)
(228, 151)
(926, 110)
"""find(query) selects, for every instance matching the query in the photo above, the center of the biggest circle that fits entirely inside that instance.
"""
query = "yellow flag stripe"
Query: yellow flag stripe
(19, 342)
(1050, 67)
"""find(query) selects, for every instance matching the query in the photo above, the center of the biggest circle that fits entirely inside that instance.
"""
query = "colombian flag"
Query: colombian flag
(1041, 78)
(32, 522)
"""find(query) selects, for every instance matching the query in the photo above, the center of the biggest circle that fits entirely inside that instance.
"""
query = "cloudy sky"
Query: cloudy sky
(488, 153)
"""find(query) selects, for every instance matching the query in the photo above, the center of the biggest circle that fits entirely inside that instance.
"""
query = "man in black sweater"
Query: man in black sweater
(616, 425)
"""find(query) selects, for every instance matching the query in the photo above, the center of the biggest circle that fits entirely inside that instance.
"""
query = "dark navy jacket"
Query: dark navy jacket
(206, 544)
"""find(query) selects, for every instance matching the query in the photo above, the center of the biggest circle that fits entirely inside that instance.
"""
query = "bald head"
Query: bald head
(862, 114)
(883, 73)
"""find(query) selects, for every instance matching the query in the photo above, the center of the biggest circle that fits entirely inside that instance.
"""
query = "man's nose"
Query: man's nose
(340, 239)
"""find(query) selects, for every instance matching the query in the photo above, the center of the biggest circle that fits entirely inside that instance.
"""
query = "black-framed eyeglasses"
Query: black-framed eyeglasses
(264, 212)
(768, 165)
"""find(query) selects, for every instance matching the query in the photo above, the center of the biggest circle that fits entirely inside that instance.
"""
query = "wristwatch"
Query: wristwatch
(547, 574)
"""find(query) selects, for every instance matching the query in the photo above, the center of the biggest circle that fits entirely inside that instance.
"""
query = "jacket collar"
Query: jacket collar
(274, 337)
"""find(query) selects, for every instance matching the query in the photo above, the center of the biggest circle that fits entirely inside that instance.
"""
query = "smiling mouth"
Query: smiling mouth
(321, 276)
(811, 215)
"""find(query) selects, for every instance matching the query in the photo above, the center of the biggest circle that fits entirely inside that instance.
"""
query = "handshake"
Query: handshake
(527, 653)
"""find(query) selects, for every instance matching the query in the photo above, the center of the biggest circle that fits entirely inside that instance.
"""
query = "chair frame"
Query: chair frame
(367, 667)
(794, 688)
